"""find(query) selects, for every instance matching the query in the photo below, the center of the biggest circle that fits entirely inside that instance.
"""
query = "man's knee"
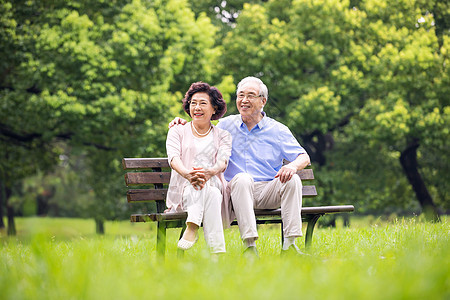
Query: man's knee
(241, 180)
(242, 191)
(294, 183)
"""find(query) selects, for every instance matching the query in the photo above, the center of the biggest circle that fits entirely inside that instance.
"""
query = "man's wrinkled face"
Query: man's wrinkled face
(249, 101)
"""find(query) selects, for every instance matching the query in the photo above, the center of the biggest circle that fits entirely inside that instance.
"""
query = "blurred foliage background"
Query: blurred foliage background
(363, 85)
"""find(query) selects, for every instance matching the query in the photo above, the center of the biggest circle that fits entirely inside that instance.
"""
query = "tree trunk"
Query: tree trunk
(316, 144)
(10, 213)
(11, 224)
(2, 200)
(408, 160)
(100, 226)
(43, 200)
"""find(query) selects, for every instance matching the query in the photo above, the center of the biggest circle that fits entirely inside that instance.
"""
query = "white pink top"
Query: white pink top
(194, 152)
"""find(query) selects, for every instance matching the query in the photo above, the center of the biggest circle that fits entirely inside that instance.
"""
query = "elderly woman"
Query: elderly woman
(198, 154)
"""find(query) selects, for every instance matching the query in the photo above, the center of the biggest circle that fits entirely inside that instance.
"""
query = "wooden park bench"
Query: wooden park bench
(149, 178)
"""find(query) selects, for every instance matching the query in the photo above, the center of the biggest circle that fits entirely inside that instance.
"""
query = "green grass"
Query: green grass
(64, 259)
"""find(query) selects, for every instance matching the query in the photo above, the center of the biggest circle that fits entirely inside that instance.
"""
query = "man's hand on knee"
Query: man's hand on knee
(285, 173)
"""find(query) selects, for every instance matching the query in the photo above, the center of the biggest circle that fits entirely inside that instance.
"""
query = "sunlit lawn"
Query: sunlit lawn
(64, 259)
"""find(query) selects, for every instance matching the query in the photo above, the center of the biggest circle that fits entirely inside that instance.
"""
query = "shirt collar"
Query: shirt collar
(261, 123)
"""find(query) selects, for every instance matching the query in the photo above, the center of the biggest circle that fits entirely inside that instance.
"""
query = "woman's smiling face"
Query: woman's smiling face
(200, 107)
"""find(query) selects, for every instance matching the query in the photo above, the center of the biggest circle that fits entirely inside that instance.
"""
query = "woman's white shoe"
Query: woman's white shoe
(185, 245)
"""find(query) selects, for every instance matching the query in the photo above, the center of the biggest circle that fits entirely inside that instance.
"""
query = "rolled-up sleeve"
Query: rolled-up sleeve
(173, 143)
(289, 145)
(225, 144)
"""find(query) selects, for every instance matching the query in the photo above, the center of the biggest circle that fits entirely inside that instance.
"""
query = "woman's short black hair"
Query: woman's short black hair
(215, 97)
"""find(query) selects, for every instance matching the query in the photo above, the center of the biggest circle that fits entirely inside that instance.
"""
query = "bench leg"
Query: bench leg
(161, 238)
(282, 234)
(310, 229)
(180, 253)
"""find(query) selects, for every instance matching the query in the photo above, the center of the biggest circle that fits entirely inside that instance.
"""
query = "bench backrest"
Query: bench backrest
(152, 176)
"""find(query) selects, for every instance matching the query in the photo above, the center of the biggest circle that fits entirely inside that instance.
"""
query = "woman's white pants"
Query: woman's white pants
(204, 206)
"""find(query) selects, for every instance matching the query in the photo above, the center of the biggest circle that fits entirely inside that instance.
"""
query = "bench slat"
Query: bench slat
(309, 210)
(258, 213)
(145, 178)
(306, 174)
(145, 195)
(144, 163)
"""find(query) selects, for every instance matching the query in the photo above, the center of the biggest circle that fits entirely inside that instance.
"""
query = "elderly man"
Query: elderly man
(255, 173)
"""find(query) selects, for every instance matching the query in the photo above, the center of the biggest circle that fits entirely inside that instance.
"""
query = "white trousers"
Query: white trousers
(247, 195)
(204, 206)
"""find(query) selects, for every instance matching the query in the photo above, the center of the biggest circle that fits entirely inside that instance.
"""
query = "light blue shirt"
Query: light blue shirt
(259, 152)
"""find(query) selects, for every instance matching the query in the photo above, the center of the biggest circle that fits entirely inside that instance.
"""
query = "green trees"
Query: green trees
(369, 80)
(363, 84)
(101, 77)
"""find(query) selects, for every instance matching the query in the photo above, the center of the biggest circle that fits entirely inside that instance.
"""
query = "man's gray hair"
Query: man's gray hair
(263, 91)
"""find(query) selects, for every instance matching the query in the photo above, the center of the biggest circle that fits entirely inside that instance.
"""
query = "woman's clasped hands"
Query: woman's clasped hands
(198, 177)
